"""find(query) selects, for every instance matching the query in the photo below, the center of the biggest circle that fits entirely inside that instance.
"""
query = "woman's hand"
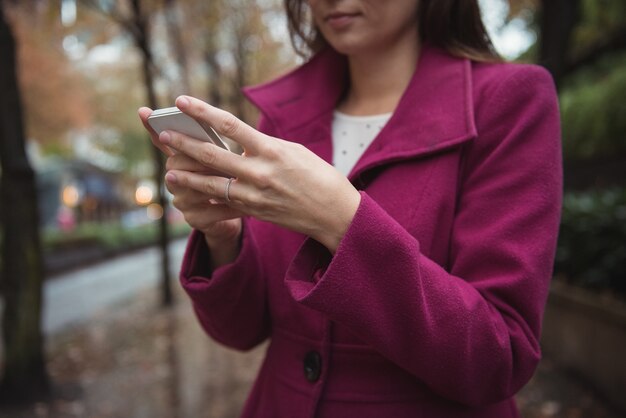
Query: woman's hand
(144, 113)
(275, 180)
(220, 223)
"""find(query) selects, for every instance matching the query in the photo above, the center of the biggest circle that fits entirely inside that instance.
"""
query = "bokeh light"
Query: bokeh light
(70, 196)
(154, 211)
(143, 195)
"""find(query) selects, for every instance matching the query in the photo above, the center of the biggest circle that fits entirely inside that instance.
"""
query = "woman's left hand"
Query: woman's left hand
(275, 180)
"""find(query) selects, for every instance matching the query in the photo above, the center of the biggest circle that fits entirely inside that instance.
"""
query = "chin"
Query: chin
(349, 47)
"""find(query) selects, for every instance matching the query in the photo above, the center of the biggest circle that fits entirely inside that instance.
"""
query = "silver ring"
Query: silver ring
(227, 191)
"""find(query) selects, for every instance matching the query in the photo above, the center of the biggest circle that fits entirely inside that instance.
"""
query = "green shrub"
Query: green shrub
(593, 111)
(592, 243)
(110, 236)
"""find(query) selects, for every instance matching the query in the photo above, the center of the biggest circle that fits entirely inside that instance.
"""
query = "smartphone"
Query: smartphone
(173, 119)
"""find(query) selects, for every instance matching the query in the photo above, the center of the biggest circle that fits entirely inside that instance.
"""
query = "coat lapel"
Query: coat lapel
(434, 113)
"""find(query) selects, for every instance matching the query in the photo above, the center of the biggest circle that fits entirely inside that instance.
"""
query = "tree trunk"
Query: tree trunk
(558, 18)
(178, 46)
(141, 36)
(241, 63)
(215, 75)
(24, 376)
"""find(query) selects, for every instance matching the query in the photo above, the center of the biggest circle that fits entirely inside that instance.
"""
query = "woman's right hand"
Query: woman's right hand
(220, 223)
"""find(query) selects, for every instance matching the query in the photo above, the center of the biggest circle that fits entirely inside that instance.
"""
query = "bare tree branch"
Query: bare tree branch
(115, 15)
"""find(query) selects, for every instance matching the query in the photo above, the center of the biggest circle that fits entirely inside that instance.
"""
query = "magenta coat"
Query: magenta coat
(432, 304)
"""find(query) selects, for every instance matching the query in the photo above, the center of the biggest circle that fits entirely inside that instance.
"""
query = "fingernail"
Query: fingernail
(165, 137)
(182, 102)
(171, 178)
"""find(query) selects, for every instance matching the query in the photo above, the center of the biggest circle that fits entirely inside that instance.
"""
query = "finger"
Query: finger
(223, 122)
(183, 162)
(186, 200)
(206, 153)
(204, 218)
(144, 113)
(190, 199)
(211, 186)
(171, 184)
(186, 197)
(182, 193)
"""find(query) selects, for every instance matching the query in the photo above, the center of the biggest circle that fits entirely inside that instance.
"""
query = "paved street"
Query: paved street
(75, 297)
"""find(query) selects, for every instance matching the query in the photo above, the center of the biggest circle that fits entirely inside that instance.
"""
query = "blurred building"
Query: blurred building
(75, 191)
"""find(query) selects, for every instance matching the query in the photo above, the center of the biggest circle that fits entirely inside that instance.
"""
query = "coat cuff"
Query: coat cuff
(314, 273)
(202, 283)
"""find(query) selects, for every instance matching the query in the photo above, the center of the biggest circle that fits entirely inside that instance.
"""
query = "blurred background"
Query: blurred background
(93, 321)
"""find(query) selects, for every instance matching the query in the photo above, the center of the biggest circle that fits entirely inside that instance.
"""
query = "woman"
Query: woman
(413, 287)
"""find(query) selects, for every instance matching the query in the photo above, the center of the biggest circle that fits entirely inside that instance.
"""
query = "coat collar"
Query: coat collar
(435, 111)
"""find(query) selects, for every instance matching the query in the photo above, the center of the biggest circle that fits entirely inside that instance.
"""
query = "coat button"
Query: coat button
(312, 366)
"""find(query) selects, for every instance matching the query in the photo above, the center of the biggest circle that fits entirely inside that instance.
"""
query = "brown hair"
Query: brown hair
(454, 25)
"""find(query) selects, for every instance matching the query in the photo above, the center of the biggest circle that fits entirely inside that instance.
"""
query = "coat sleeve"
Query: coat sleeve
(230, 301)
(471, 332)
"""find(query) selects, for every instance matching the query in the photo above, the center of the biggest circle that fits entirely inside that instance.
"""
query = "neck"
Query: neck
(378, 79)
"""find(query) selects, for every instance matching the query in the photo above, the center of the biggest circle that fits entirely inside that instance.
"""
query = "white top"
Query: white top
(351, 137)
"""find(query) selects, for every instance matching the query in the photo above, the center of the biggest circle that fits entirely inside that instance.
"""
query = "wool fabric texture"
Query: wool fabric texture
(432, 304)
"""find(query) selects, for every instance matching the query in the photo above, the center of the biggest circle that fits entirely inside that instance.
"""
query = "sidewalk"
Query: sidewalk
(75, 296)
(134, 360)
(138, 361)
